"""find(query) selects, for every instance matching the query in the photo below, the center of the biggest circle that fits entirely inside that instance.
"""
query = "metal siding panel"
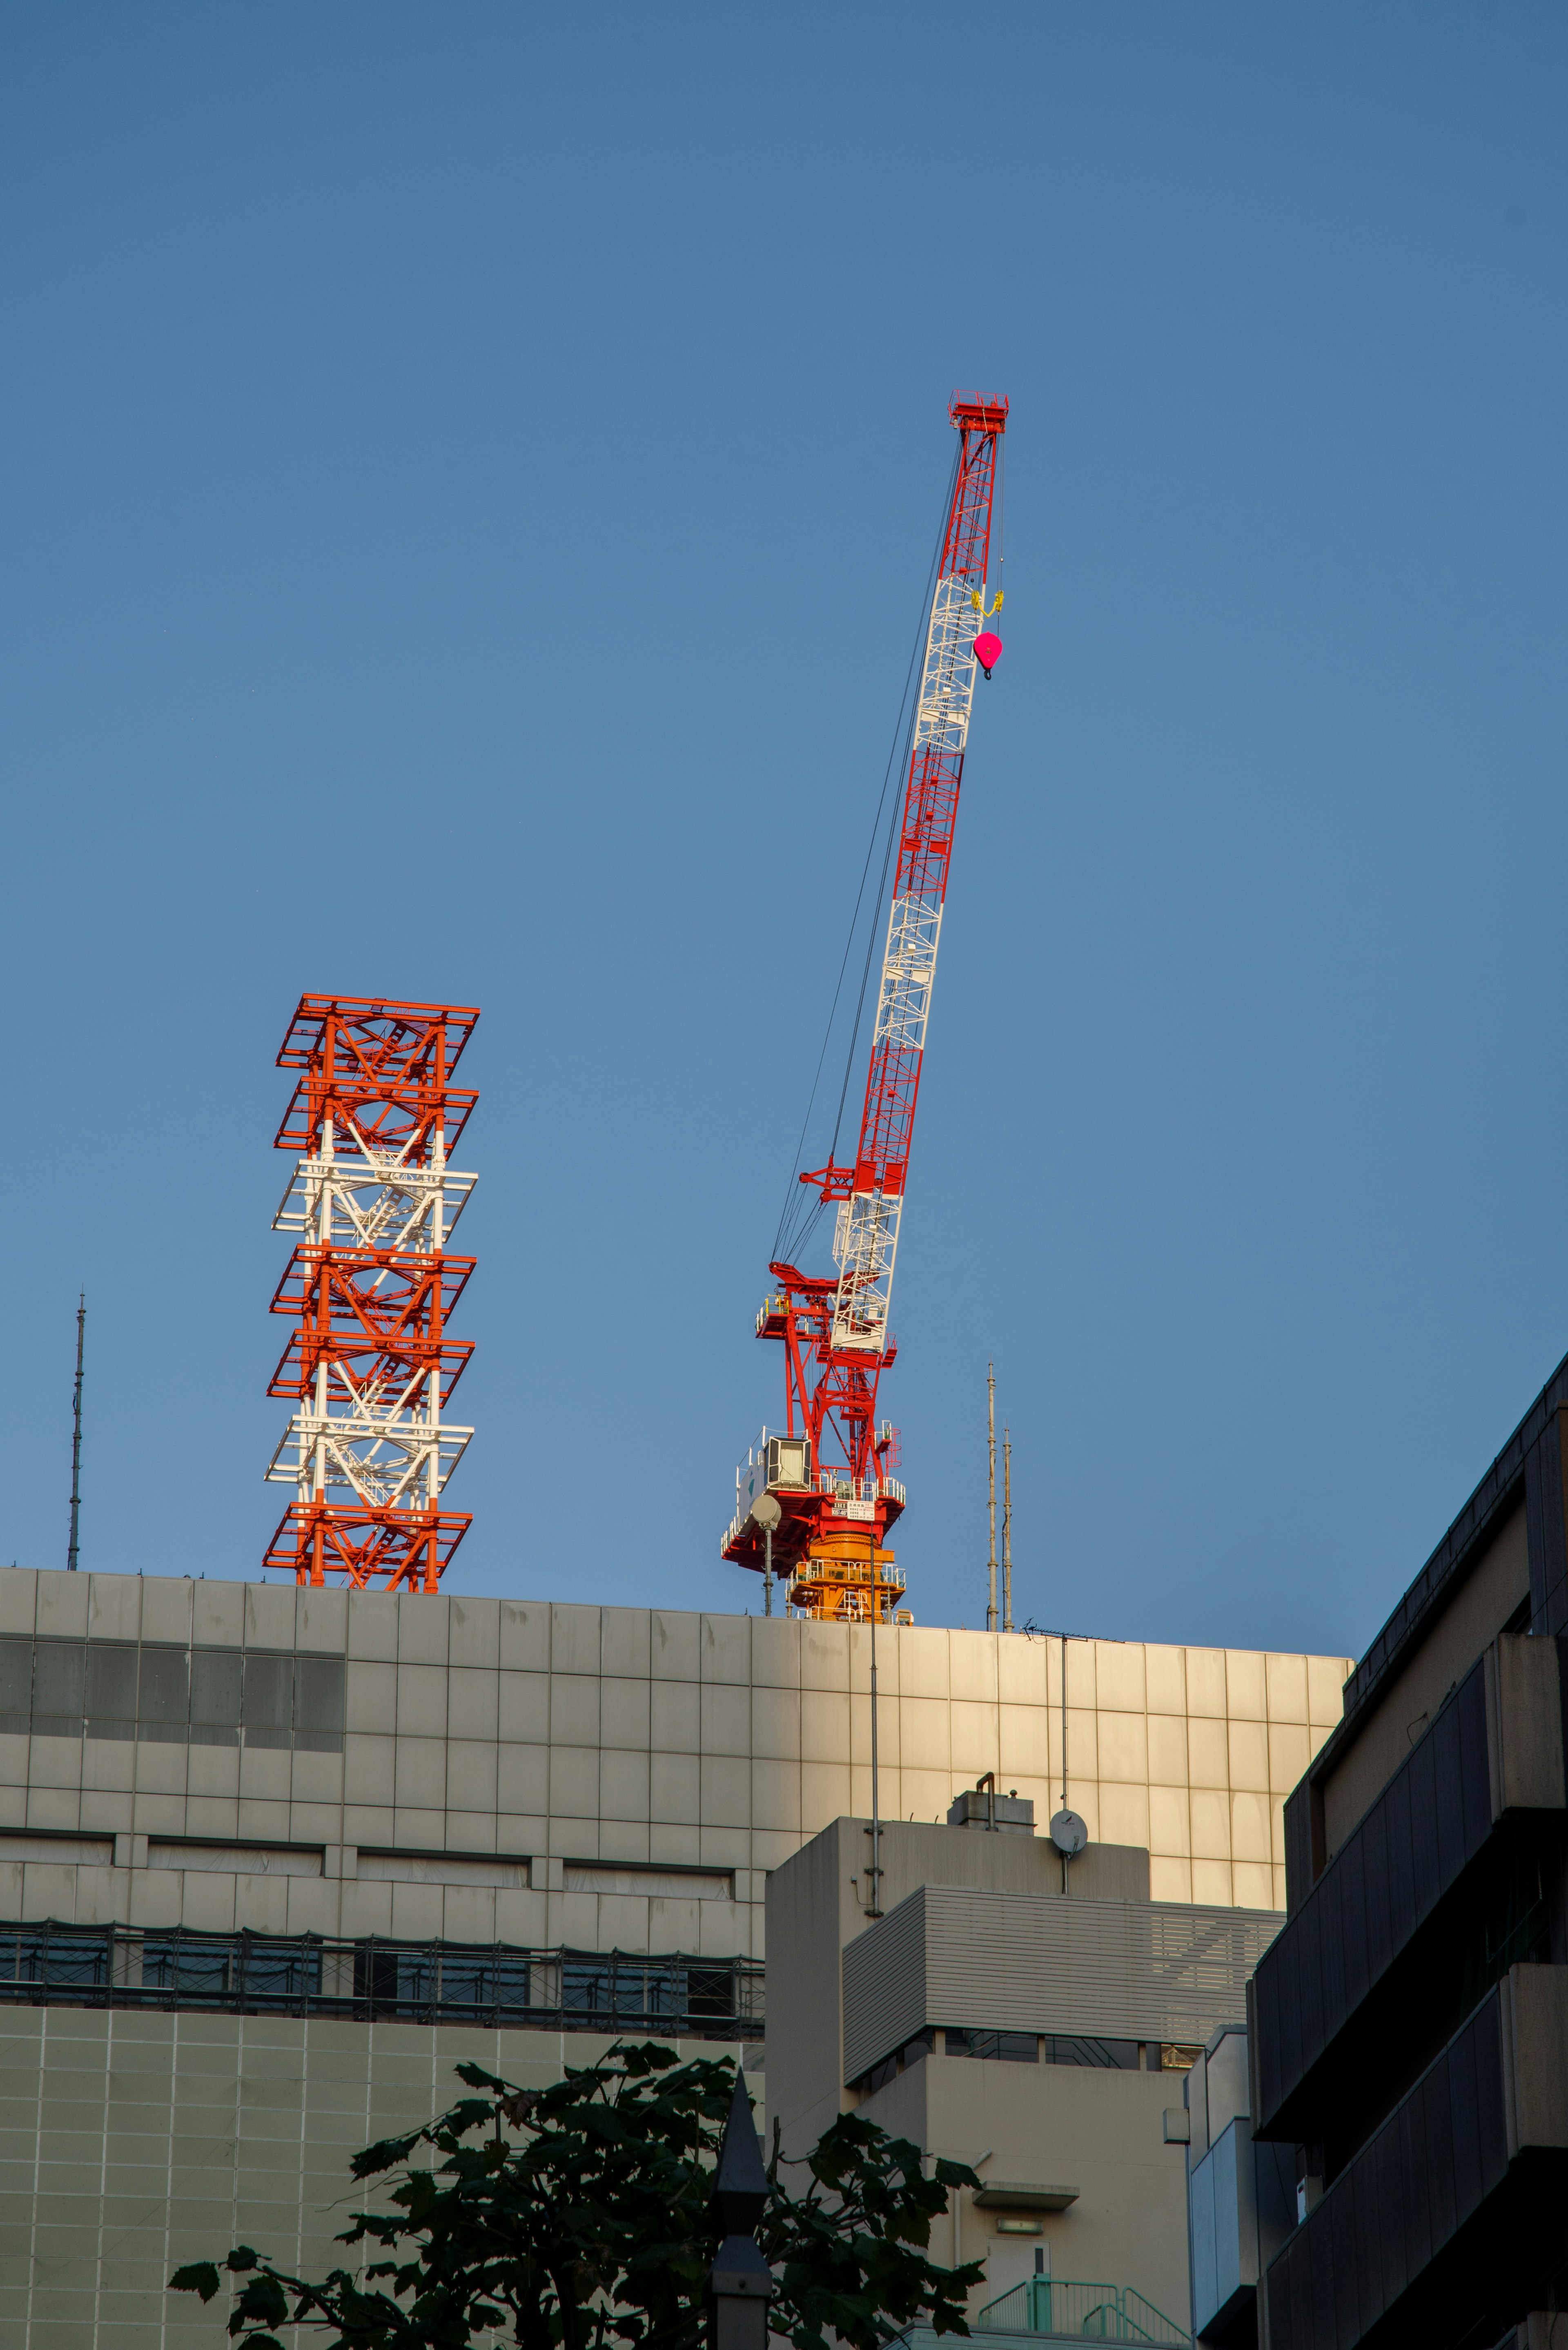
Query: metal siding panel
(1424, 1863)
(1401, 1861)
(1464, 2126)
(1449, 1796)
(1434, 2096)
(1298, 1847)
(1474, 1776)
(884, 1978)
(1492, 2120)
(1380, 1944)
(1341, 2232)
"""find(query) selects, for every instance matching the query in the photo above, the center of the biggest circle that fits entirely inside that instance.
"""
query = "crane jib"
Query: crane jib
(831, 1469)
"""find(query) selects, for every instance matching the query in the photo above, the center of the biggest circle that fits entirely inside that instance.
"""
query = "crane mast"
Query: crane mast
(830, 1468)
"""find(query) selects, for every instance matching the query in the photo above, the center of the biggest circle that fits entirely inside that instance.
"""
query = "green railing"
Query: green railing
(1095, 2312)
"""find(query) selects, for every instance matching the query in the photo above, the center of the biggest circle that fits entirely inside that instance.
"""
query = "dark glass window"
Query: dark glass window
(15, 1685)
(112, 1689)
(59, 1670)
(278, 1971)
(1008, 2047)
(710, 1991)
(1105, 2055)
(163, 1697)
(319, 1688)
(190, 1970)
(268, 1706)
(215, 1697)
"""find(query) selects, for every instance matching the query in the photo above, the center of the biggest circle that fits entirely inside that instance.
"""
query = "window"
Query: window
(15, 1685)
(112, 1689)
(163, 1696)
(48, 1957)
(1008, 2047)
(1105, 2055)
(168, 1694)
(216, 1696)
(267, 1704)
(58, 1669)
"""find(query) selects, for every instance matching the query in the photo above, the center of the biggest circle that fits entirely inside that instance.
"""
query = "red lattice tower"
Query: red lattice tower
(369, 1288)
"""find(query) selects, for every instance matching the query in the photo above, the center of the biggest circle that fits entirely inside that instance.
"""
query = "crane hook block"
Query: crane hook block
(988, 651)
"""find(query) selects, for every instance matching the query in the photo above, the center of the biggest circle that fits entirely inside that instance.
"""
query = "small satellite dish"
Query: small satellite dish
(766, 1513)
(1068, 1834)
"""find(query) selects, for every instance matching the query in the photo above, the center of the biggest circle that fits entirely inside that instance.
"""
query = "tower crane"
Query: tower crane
(816, 1498)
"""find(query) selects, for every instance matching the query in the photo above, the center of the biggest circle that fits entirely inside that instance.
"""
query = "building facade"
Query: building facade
(1409, 2044)
(1030, 2019)
(282, 1841)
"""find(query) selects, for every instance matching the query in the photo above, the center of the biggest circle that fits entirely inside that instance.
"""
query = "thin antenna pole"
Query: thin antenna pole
(77, 1437)
(875, 1909)
(991, 1562)
(1007, 1530)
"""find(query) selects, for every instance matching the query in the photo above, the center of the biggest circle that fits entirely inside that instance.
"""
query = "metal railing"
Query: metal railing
(1065, 2308)
(373, 1980)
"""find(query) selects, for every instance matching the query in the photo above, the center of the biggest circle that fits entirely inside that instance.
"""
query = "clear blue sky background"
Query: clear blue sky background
(468, 478)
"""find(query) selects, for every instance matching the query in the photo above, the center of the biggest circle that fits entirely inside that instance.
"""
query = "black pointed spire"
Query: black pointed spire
(740, 2282)
(739, 2182)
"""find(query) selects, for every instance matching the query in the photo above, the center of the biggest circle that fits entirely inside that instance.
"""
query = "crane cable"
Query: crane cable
(799, 1217)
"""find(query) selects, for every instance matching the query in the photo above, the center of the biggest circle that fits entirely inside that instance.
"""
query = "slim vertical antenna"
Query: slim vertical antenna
(991, 1562)
(1007, 1530)
(77, 1437)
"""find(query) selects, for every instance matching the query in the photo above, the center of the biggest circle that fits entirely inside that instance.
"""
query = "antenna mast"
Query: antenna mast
(1007, 1530)
(77, 1437)
(991, 1557)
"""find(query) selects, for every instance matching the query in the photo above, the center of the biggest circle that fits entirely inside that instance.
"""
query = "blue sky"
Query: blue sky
(467, 481)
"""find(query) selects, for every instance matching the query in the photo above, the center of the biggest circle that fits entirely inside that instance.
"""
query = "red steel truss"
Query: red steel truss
(829, 1469)
(369, 1288)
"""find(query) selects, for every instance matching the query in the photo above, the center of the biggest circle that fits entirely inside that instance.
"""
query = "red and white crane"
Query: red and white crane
(816, 1499)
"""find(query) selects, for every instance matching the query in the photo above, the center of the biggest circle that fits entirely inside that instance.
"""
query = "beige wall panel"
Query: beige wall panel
(574, 1638)
(163, 1770)
(269, 1616)
(114, 1607)
(215, 1769)
(372, 1628)
(19, 1597)
(923, 1794)
(422, 1634)
(624, 1786)
(623, 1924)
(206, 1901)
(725, 1792)
(314, 1905)
(525, 1636)
(1277, 1829)
(1252, 1884)
(1123, 1815)
(924, 1734)
(775, 1654)
(574, 1781)
(1210, 1812)
(371, 1823)
(971, 1668)
(472, 1702)
(419, 1778)
(824, 1726)
(975, 1732)
(888, 1744)
(625, 1713)
(320, 1621)
(468, 1913)
(1123, 1746)
(824, 1658)
(624, 1839)
(62, 1610)
(1083, 1740)
(472, 1832)
(1250, 1837)
(1212, 1881)
(675, 1718)
(1025, 1743)
(58, 1761)
(823, 1794)
(1290, 1752)
(674, 1789)
(160, 1814)
(263, 1771)
(519, 1918)
(923, 1662)
(1248, 1755)
(525, 1706)
(1326, 1676)
(313, 1778)
(675, 1840)
(1167, 1751)
(1287, 1688)
(1081, 1680)
(776, 1796)
(726, 1650)
(574, 1709)
(1246, 1685)
(725, 1715)
(625, 1642)
(1169, 1879)
(775, 1724)
(1205, 1673)
(261, 1903)
(417, 1912)
(1022, 1671)
(675, 1648)
(471, 1776)
(364, 1906)
(473, 1630)
(368, 1764)
(1207, 1753)
(1165, 1677)
(421, 1701)
(423, 1831)
(1120, 1677)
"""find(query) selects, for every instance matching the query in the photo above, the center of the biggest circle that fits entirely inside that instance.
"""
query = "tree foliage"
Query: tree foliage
(577, 2218)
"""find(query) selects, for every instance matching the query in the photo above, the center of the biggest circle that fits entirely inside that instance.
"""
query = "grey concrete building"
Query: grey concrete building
(272, 1857)
(1032, 2020)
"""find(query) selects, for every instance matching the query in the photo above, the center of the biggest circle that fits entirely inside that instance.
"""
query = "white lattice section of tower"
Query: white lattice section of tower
(865, 1240)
